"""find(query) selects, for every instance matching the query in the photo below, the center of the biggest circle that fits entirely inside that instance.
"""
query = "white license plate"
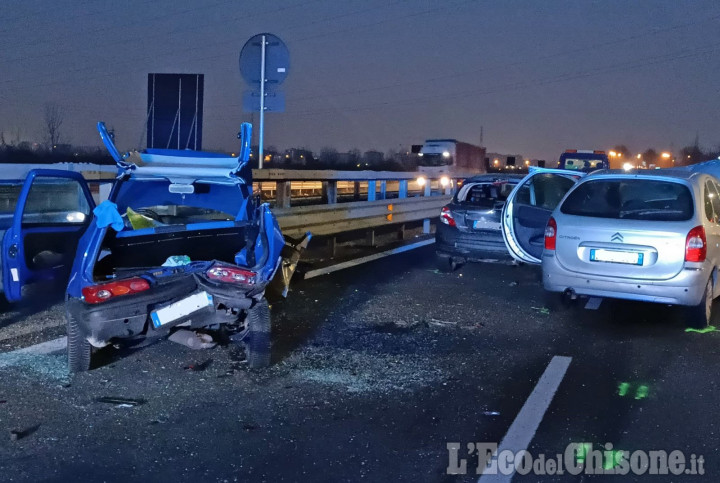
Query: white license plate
(615, 256)
(181, 308)
(486, 225)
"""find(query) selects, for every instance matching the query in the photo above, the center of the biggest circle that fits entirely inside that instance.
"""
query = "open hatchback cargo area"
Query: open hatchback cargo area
(181, 242)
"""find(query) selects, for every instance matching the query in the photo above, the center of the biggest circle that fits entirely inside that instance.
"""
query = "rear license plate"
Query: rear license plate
(180, 309)
(486, 225)
(616, 256)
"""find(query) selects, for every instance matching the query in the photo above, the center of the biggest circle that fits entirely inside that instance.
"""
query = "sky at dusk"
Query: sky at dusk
(537, 76)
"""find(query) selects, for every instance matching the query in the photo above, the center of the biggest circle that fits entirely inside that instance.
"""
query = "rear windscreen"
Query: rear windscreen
(633, 199)
(484, 194)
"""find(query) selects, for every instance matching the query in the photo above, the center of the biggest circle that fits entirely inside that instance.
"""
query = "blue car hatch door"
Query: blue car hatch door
(52, 212)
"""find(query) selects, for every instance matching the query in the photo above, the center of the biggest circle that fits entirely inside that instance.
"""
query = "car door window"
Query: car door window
(55, 200)
(544, 191)
(714, 199)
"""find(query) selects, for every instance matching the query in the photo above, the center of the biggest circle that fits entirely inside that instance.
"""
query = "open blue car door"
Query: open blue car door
(52, 212)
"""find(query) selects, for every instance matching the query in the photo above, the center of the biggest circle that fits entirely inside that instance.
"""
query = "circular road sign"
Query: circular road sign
(277, 60)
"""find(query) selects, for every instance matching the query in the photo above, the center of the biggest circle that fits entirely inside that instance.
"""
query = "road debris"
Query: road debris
(198, 366)
(542, 310)
(120, 401)
(514, 284)
(710, 328)
(193, 340)
(16, 434)
(491, 413)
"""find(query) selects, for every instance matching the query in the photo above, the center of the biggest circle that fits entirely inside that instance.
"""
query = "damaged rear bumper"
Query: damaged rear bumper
(130, 317)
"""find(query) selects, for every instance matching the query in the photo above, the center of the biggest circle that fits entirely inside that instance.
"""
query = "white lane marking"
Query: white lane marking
(29, 330)
(523, 429)
(358, 261)
(44, 348)
(593, 303)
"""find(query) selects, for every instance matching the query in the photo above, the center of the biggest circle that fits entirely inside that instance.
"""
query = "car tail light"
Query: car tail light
(550, 234)
(446, 216)
(95, 294)
(696, 245)
(229, 274)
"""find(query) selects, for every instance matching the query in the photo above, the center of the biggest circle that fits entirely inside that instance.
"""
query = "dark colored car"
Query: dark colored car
(469, 227)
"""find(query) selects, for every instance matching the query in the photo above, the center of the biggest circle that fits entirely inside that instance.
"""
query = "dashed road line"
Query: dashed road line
(523, 428)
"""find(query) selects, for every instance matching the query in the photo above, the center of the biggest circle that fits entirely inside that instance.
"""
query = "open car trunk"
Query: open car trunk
(126, 252)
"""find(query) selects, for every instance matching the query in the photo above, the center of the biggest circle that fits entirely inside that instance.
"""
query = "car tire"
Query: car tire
(557, 301)
(79, 350)
(700, 316)
(447, 264)
(257, 340)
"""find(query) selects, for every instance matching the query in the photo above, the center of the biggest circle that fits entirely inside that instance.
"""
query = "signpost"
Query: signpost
(264, 64)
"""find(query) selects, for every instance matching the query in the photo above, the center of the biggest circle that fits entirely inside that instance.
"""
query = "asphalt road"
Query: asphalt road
(376, 369)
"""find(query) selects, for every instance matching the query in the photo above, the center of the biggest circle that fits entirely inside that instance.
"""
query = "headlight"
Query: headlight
(446, 154)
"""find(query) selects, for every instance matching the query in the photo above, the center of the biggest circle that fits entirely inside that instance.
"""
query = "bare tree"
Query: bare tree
(54, 117)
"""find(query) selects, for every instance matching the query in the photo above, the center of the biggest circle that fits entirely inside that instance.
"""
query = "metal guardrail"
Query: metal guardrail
(411, 201)
(358, 215)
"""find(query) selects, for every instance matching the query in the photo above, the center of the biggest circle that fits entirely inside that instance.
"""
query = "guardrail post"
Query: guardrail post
(282, 194)
(372, 186)
(356, 190)
(332, 245)
(371, 238)
(403, 188)
(330, 192)
(427, 192)
(401, 232)
(383, 189)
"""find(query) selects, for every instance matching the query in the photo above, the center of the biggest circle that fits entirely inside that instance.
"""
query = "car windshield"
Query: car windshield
(635, 199)
(484, 194)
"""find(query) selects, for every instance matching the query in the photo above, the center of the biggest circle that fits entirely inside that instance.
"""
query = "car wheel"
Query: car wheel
(79, 350)
(557, 301)
(700, 315)
(447, 264)
(257, 340)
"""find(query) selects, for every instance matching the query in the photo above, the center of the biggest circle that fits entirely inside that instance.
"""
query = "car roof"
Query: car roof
(494, 177)
(678, 173)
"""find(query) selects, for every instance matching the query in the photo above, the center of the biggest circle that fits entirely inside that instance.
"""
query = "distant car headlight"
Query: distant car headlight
(446, 154)
(421, 181)
(444, 181)
(627, 166)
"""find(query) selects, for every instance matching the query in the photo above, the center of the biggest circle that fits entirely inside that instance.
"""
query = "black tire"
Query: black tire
(700, 315)
(257, 340)
(447, 264)
(557, 301)
(79, 350)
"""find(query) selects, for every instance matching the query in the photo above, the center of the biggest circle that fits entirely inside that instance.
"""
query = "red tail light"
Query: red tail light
(96, 294)
(550, 234)
(229, 274)
(446, 216)
(696, 245)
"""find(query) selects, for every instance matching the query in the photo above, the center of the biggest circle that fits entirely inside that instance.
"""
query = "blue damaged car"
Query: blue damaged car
(181, 242)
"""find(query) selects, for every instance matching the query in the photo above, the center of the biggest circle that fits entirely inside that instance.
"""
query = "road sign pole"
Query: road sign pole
(262, 103)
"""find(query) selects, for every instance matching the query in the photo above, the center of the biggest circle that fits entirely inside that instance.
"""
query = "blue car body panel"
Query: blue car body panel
(222, 183)
(15, 271)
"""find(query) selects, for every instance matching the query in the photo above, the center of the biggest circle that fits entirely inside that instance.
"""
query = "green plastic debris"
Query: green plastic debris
(616, 457)
(642, 392)
(542, 310)
(710, 328)
(623, 389)
(582, 450)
